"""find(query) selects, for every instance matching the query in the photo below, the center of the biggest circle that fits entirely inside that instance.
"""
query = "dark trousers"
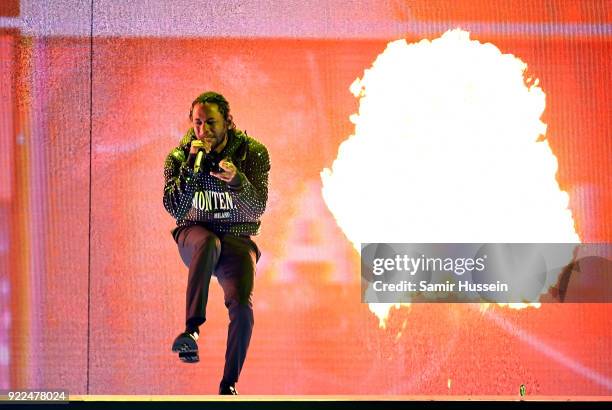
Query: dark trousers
(232, 259)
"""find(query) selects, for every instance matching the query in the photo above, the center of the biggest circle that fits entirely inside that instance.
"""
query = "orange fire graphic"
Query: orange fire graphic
(448, 147)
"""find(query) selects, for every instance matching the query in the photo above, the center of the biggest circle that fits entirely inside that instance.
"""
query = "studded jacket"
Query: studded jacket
(201, 199)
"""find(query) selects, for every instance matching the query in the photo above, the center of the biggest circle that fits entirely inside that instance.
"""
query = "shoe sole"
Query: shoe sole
(185, 344)
(189, 357)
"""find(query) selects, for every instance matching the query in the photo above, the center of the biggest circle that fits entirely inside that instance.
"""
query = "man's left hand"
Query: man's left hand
(229, 174)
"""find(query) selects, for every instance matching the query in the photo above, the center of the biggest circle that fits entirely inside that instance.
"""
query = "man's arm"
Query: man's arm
(250, 193)
(179, 186)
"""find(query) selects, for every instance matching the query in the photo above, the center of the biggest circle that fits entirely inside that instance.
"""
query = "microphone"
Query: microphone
(198, 161)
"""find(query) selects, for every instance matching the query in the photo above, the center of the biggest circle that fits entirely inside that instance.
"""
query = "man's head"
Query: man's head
(211, 119)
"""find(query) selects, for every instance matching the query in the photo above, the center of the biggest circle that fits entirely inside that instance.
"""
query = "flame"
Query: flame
(382, 310)
(448, 147)
(517, 306)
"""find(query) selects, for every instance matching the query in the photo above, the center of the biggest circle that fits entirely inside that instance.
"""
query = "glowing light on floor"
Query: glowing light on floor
(448, 147)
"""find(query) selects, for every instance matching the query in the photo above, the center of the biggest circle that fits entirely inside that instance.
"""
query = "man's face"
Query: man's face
(209, 125)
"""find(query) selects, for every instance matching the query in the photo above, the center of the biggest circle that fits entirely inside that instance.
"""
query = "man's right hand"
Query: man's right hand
(197, 145)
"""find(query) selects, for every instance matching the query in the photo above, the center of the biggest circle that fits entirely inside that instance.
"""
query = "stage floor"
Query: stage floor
(318, 398)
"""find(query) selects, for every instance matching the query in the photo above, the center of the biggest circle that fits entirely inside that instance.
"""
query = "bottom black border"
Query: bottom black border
(314, 404)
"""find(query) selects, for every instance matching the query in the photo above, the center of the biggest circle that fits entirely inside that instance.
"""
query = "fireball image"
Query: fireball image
(448, 147)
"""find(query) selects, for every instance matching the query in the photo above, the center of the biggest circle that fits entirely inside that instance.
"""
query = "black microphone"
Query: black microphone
(198, 161)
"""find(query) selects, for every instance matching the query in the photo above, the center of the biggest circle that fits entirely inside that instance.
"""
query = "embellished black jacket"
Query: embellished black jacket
(200, 198)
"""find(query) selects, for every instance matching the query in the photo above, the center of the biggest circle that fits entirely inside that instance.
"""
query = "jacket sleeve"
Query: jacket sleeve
(251, 193)
(179, 186)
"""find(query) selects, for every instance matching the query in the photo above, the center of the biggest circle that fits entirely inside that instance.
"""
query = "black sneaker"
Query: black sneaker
(189, 357)
(185, 343)
(228, 390)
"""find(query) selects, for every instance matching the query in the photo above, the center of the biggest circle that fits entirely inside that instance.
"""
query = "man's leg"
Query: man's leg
(200, 250)
(236, 274)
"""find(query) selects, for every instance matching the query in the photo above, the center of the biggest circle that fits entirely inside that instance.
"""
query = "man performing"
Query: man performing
(216, 186)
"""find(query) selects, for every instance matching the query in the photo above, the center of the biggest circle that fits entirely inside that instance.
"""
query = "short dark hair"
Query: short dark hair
(212, 97)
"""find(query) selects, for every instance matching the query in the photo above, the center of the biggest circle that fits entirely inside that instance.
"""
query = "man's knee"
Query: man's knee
(241, 310)
(238, 297)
